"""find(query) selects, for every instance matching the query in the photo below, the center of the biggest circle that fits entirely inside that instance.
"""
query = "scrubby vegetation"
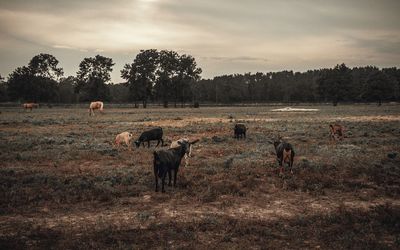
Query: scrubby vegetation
(63, 185)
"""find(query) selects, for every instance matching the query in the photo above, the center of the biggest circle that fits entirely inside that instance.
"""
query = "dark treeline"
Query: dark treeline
(340, 84)
(166, 77)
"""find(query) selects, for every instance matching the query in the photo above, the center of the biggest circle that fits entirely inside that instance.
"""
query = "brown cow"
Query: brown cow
(95, 105)
(30, 105)
(336, 132)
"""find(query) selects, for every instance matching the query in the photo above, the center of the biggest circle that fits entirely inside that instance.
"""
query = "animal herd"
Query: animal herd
(167, 161)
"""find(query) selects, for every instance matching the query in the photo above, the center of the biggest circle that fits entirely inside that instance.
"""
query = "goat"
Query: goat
(166, 160)
(285, 154)
(176, 144)
(336, 130)
(151, 135)
(125, 137)
(239, 131)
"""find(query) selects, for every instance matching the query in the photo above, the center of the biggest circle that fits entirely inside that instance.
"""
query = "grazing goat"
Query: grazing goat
(175, 144)
(336, 132)
(285, 154)
(30, 105)
(95, 105)
(167, 160)
(125, 137)
(151, 135)
(239, 131)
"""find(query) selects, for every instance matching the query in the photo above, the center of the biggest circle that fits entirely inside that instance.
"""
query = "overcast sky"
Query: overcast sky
(225, 36)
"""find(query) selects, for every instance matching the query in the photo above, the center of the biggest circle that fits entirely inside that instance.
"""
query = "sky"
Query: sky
(224, 36)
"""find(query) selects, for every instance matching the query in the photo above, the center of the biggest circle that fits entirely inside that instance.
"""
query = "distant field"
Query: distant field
(63, 185)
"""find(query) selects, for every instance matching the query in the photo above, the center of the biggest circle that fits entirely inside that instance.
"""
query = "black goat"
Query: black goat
(285, 154)
(167, 160)
(239, 131)
(151, 135)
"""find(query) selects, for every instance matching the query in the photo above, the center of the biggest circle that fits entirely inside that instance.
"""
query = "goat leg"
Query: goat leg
(175, 173)
(156, 179)
(291, 166)
(163, 182)
(169, 177)
(280, 166)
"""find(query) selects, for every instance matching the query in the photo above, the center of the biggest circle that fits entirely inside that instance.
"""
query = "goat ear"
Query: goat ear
(193, 142)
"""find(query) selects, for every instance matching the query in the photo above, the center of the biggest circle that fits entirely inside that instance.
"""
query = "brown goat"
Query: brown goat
(285, 154)
(336, 132)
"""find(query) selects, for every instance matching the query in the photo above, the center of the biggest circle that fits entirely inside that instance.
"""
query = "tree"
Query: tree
(394, 77)
(18, 84)
(140, 75)
(230, 88)
(187, 73)
(334, 84)
(378, 87)
(37, 81)
(45, 65)
(66, 93)
(93, 77)
(3, 90)
(167, 76)
(163, 75)
(119, 93)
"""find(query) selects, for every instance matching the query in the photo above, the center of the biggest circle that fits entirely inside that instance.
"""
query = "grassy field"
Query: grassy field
(63, 185)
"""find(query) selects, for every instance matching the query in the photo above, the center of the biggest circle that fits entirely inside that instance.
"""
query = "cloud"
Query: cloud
(225, 35)
(386, 46)
(57, 46)
(235, 59)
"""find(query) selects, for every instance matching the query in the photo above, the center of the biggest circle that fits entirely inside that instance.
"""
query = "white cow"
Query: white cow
(95, 105)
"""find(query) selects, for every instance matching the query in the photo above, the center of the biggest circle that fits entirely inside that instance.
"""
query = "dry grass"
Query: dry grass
(63, 185)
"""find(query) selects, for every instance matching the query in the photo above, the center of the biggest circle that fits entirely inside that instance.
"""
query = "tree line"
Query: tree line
(166, 77)
(338, 84)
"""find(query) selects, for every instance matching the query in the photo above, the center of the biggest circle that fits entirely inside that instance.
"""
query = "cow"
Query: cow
(95, 105)
(30, 105)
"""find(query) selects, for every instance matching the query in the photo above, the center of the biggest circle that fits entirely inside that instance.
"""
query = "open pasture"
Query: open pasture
(63, 185)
